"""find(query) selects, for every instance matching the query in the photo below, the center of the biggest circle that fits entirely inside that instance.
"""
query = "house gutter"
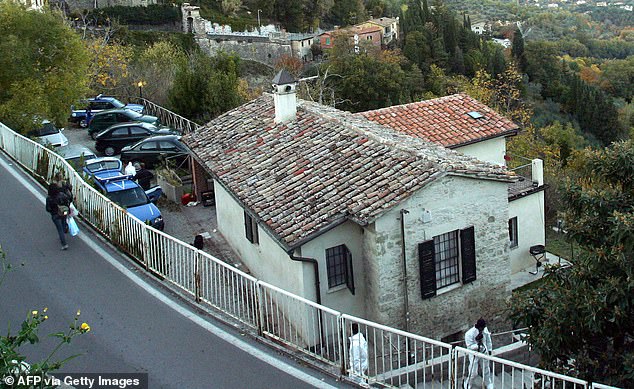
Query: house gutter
(315, 264)
(404, 259)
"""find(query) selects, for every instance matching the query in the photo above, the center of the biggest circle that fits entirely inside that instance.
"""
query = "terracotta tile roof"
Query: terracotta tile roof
(444, 120)
(324, 167)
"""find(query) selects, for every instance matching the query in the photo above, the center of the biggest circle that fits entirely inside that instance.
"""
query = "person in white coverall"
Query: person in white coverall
(358, 355)
(478, 339)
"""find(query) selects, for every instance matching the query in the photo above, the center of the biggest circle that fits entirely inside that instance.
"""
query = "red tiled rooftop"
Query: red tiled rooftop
(302, 176)
(444, 120)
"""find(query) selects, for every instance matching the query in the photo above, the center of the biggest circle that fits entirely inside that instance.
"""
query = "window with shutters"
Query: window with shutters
(250, 229)
(446, 260)
(339, 267)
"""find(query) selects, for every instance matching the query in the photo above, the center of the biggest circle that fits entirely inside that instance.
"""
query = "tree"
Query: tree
(371, 79)
(43, 69)
(292, 64)
(206, 86)
(348, 12)
(580, 319)
(109, 65)
(157, 66)
(517, 49)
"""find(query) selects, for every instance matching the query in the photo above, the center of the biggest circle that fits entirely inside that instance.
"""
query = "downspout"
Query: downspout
(404, 259)
(315, 264)
(405, 293)
(316, 271)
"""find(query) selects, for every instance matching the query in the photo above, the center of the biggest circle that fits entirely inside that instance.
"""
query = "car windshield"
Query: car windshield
(102, 165)
(134, 114)
(129, 198)
(77, 162)
(117, 103)
(48, 129)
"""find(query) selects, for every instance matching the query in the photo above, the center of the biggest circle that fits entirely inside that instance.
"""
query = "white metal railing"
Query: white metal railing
(300, 323)
(396, 358)
(508, 374)
(168, 117)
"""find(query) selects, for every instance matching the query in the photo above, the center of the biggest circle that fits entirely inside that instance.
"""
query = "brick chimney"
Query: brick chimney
(284, 97)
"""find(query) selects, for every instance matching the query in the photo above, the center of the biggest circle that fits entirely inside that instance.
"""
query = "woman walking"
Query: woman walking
(57, 204)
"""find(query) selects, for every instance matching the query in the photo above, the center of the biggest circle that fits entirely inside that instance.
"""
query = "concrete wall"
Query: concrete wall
(456, 307)
(253, 48)
(266, 260)
(492, 150)
(529, 211)
(340, 297)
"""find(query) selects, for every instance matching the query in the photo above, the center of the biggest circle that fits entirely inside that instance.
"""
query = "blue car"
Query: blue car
(118, 187)
(98, 104)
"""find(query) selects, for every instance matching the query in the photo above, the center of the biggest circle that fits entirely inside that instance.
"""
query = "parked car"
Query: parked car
(97, 104)
(105, 119)
(111, 140)
(76, 155)
(49, 134)
(121, 189)
(152, 150)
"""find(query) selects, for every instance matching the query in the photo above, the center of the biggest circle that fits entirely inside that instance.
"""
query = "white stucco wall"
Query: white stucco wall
(455, 203)
(491, 150)
(529, 211)
(266, 260)
(340, 297)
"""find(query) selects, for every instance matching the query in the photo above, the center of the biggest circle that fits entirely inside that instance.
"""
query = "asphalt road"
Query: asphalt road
(135, 326)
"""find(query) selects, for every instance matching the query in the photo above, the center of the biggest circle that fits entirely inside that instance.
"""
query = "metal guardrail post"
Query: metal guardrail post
(197, 277)
(342, 344)
(260, 308)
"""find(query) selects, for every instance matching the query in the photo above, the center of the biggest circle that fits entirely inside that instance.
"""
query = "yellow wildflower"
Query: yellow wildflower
(45, 317)
(78, 312)
(85, 327)
(34, 313)
(45, 310)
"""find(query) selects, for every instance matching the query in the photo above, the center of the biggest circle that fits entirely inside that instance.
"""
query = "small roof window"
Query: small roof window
(475, 114)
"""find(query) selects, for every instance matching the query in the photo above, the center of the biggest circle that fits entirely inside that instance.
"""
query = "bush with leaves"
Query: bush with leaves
(581, 319)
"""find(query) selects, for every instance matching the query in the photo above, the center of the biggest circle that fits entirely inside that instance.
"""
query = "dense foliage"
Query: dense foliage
(154, 14)
(206, 86)
(43, 69)
(580, 319)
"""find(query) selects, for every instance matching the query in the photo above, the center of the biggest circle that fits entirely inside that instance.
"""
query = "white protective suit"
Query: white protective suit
(129, 169)
(358, 356)
(485, 347)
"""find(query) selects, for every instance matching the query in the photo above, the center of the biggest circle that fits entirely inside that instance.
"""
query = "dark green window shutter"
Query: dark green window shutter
(349, 273)
(467, 252)
(248, 227)
(427, 266)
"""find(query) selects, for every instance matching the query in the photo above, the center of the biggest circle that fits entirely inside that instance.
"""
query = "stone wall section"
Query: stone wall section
(454, 203)
(252, 48)
(78, 5)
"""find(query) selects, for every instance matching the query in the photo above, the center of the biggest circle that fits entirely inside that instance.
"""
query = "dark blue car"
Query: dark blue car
(119, 188)
(98, 104)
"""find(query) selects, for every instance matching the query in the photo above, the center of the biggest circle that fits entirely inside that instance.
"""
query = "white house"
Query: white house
(481, 27)
(357, 216)
(463, 124)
